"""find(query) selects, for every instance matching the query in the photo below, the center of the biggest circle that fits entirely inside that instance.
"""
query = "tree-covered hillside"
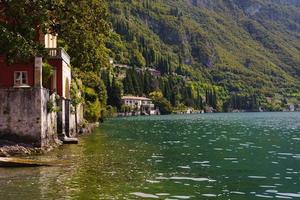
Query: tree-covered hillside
(221, 54)
(246, 47)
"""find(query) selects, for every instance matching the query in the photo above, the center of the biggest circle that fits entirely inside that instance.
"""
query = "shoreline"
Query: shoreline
(13, 149)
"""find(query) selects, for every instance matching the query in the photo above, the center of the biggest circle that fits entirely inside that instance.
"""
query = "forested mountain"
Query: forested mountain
(246, 47)
(220, 54)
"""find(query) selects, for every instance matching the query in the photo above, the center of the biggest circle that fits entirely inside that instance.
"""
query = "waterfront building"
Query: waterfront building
(35, 110)
(140, 105)
(291, 108)
(28, 74)
(189, 111)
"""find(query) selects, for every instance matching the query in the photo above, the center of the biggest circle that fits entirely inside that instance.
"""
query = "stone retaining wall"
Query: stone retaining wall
(80, 120)
(24, 117)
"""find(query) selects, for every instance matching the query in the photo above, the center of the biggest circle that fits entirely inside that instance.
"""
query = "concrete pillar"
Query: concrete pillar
(38, 72)
(67, 117)
(54, 41)
(61, 129)
(46, 40)
(54, 80)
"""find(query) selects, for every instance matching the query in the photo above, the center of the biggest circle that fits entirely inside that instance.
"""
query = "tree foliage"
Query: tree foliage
(249, 48)
(82, 28)
(19, 26)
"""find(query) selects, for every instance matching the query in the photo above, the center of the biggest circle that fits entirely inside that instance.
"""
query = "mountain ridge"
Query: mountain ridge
(244, 46)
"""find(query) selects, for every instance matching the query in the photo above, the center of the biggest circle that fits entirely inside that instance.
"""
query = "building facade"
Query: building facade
(27, 113)
(140, 105)
(28, 74)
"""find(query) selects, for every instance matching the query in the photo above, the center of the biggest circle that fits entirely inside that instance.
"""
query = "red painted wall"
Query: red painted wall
(7, 72)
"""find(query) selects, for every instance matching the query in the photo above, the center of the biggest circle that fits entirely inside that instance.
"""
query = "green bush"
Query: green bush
(90, 95)
(92, 111)
(162, 103)
(47, 74)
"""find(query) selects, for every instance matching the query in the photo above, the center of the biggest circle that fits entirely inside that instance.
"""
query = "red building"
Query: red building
(25, 95)
(29, 74)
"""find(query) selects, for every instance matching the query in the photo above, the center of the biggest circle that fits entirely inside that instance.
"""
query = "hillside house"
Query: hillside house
(154, 72)
(121, 68)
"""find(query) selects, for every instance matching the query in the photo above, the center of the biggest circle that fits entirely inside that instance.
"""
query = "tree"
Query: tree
(76, 97)
(162, 103)
(137, 59)
(94, 91)
(21, 22)
(128, 85)
(92, 110)
(83, 29)
(116, 94)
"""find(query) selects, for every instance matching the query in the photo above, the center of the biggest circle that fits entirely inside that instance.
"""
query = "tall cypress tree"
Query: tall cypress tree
(116, 92)
(128, 84)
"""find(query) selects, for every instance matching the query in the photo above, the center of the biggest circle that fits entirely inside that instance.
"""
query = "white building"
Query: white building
(140, 104)
(291, 107)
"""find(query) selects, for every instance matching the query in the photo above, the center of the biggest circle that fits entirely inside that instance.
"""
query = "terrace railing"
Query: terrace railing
(59, 53)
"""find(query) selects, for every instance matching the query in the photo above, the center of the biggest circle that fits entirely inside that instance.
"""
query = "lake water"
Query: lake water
(211, 156)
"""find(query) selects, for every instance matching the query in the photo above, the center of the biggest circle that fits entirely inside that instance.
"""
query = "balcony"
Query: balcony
(59, 53)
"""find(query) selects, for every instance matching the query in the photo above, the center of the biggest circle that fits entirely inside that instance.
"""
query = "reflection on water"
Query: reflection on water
(211, 156)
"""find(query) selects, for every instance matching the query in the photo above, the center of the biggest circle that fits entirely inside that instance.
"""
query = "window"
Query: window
(21, 78)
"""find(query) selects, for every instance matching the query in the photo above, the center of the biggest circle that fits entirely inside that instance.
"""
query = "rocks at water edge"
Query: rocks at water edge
(11, 150)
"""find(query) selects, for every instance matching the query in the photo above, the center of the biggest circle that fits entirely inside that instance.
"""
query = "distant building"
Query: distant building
(291, 107)
(140, 105)
(189, 111)
(111, 61)
(210, 110)
(124, 67)
(269, 99)
(153, 72)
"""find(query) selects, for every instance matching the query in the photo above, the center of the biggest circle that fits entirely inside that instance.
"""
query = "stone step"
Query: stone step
(69, 140)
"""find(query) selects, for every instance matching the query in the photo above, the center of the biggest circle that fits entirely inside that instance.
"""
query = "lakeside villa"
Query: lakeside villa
(135, 105)
(36, 111)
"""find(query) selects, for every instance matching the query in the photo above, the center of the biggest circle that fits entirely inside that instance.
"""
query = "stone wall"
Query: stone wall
(49, 121)
(24, 117)
(80, 119)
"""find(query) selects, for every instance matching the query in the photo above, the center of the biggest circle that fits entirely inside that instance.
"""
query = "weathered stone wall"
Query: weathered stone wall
(61, 118)
(80, 119)
(24, 117)
(49, 121)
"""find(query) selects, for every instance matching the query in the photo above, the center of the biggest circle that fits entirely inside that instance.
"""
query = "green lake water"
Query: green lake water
(210, 156)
